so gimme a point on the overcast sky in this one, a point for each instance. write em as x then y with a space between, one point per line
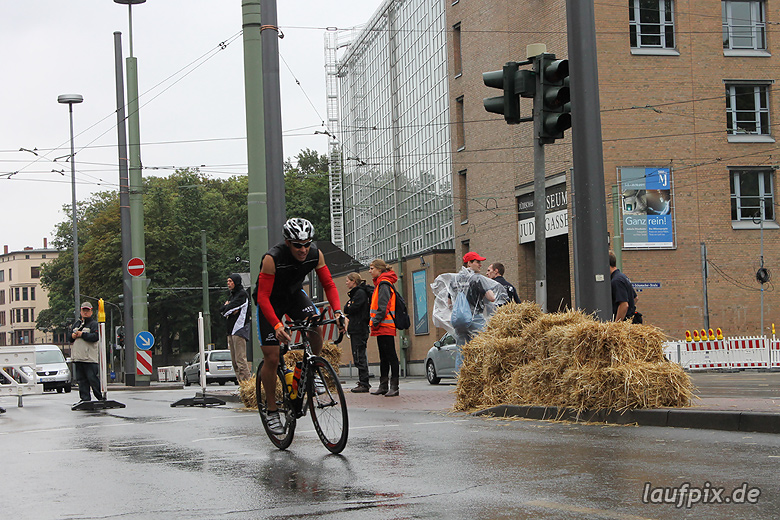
192 94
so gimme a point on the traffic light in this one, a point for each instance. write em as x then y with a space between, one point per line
516 84
555 97
120 336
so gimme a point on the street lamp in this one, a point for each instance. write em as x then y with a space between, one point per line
70 100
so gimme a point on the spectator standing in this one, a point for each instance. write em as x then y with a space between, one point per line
624 296
464 301
495 271
86 355
357 312
236 310
383 327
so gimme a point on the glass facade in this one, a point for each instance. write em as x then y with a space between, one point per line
393 157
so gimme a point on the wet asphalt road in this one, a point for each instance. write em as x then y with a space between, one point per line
402 462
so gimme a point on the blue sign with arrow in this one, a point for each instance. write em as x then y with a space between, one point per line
144 340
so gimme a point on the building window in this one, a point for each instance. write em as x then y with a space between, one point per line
465 247
747 109
10 275
463 197
35 272
457 61
25 293
460 126
2 339
16 294
26 315
743 25
2 297
32 293
748 187
2 276
2 318
651 24
18 316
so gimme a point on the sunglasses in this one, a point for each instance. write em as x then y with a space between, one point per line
298 245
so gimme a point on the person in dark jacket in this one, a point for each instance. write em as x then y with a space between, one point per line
356 310
236 310
85 354
381 311
495 271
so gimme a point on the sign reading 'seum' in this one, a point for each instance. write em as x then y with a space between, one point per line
556 214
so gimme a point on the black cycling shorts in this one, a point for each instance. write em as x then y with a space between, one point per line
297 307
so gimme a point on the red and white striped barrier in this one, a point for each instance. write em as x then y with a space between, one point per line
749 352
706 355
143 363
774 353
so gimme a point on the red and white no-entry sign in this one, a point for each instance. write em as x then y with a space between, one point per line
136 267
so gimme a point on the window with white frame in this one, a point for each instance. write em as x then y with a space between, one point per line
749 187
747 109
744 27
651 24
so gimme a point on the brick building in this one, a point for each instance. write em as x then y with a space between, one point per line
686 111
21 296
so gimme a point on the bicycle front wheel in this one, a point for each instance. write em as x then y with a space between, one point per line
327 405
284 405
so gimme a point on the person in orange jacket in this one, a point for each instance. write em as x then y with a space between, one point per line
383 327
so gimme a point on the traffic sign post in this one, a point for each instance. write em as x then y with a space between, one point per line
136 267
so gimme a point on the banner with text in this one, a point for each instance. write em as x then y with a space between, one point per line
646 205
556 215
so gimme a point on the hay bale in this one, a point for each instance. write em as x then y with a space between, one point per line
568 359
510 319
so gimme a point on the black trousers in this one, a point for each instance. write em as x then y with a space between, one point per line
388 358
87 376
359 344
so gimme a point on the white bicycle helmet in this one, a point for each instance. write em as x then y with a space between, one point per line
298 229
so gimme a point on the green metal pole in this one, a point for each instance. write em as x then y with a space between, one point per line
205 277
257 199
617 238
137 244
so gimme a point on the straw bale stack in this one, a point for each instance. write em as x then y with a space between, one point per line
568 359
330 351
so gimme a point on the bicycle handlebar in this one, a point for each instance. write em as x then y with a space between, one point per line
312 323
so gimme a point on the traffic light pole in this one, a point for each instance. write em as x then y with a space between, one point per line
540 208
591 270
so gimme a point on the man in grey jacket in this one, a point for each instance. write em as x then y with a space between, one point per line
85 354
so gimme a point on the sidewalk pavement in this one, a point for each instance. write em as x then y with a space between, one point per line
747 401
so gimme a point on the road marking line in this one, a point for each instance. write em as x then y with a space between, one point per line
587 510
137 446
220 438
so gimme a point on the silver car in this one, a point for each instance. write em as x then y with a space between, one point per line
51 368
219 368
440 361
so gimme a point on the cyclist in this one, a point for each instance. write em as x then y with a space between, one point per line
279 292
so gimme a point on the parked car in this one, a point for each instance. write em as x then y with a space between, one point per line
51 368
440 361
219 368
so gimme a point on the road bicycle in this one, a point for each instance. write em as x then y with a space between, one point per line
324 398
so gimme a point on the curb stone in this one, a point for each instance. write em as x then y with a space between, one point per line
759 422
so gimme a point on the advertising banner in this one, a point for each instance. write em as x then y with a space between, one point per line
420 302
647 208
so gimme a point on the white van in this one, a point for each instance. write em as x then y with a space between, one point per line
51 369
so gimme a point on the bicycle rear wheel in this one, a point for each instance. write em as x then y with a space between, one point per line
328 409
283 403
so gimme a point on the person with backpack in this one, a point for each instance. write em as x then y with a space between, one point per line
357 313
382 310
465 300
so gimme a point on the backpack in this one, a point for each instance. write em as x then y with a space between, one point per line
461 312
401 316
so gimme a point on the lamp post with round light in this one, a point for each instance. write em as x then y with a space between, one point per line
70 100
